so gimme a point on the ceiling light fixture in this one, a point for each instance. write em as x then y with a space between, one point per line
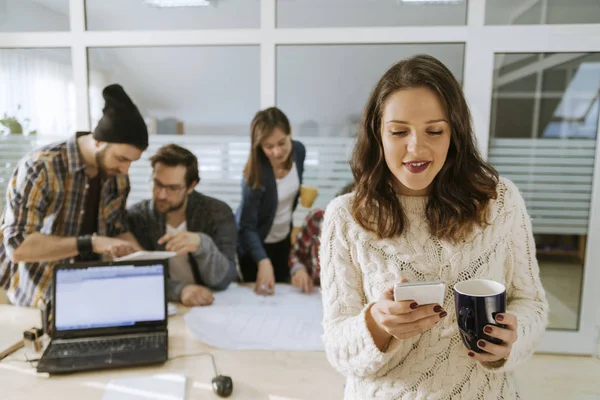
177 3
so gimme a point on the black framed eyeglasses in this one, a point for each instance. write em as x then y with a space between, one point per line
170 189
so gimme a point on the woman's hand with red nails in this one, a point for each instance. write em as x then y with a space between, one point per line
400 319
508 336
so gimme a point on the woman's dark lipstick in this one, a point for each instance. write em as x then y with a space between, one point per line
416 167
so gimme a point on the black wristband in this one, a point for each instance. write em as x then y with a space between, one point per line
84 245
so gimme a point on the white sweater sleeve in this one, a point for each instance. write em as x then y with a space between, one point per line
348 343
526 298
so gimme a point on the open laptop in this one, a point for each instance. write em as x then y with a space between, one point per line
107 315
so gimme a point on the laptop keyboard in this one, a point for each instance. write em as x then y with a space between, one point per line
85 348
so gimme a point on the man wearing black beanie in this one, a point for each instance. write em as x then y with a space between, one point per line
67 201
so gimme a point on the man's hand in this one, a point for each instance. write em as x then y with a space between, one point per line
302 280
196 295
181 242
128 236
112 246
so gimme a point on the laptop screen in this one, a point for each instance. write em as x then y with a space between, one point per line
109 296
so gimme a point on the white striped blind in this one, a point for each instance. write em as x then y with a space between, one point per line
221 160
554 175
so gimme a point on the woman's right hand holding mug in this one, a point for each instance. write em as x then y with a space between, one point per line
400 319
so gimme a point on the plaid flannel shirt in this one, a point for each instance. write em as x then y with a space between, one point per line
46 194
305 253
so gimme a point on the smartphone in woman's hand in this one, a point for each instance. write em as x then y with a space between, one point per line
430 292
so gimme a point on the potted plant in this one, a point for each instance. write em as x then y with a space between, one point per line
13 126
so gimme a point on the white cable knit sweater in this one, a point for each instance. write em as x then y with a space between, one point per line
356 267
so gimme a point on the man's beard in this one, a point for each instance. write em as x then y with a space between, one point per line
173 208
100 162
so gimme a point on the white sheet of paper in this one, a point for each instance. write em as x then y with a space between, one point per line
147 255
156 387
171 309
239 319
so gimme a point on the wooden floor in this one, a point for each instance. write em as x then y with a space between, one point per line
550 377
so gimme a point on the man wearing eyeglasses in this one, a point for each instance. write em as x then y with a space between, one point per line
199 228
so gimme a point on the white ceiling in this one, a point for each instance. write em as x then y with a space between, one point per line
134 14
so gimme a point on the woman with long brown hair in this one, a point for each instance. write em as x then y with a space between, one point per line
426 207
270 191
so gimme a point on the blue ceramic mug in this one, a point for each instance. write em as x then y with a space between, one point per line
477 302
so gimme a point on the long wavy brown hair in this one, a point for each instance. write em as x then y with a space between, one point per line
263 125
459 195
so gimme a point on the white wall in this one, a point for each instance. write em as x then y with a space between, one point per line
209 91
24 15
326 87
337 13
135 15
216 89
523 12
37 89
202 86
581 11
227 100
240 14
39 80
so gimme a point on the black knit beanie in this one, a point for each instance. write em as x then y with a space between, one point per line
121 121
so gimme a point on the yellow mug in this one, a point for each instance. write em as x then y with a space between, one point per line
308 194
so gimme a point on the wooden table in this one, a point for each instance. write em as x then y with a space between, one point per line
257 375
